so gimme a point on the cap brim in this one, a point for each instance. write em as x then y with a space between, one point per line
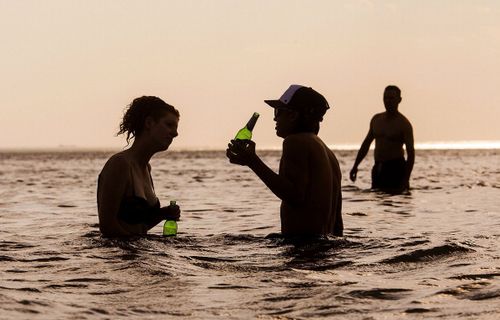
275 103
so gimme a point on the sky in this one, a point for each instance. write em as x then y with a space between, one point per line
69 68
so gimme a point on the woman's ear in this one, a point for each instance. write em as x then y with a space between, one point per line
149 122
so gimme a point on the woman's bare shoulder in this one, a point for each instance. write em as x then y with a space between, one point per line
116 163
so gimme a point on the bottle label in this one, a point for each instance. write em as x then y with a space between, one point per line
170 228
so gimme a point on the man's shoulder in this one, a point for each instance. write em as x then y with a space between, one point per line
306 143
301 143
378 117
383 116
403 121
403 117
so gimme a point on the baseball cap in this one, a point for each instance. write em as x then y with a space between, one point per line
303 99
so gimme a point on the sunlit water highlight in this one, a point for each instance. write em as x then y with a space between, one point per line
430 254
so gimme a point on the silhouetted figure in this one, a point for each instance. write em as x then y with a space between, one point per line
390 130
308 182
126 199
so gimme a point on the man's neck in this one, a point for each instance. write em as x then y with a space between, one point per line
391 114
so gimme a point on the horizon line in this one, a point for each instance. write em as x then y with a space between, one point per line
435 145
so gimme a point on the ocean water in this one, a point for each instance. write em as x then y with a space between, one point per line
431 254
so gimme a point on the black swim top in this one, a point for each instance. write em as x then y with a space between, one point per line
135 209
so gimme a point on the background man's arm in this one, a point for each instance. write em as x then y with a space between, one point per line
363 150
410 154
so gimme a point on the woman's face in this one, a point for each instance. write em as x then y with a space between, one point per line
164 130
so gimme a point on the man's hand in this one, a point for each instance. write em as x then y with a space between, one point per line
241 152
353 174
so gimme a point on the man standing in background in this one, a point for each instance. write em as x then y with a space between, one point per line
390 130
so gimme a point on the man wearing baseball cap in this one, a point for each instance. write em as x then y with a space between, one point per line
308 182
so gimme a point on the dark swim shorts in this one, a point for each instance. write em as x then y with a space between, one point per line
389 175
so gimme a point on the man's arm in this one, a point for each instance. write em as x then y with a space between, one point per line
290 184
363 150
410 154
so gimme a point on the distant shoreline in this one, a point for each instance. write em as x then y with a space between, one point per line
457 145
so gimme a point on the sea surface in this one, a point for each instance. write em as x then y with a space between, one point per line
430 254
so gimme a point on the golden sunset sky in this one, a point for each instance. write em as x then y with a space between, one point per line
69 68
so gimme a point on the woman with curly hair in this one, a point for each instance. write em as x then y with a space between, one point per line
126 199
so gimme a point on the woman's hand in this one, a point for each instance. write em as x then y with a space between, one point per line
172 212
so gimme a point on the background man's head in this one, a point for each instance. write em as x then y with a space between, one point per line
392 98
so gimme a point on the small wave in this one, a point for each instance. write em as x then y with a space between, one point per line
225 286
476 276
16 271
33 303
322 265
47 259
381 293
429 254
484 295
348 188
414 243
288 297
360 214
94 234
419 310
238 238
68 285
473 291
427 188
356 199
109 292
66 206
98 311
27 289
6 258
197 210
88 280
213 259
12 245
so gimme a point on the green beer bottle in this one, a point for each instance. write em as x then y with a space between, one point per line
170 226
245 133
